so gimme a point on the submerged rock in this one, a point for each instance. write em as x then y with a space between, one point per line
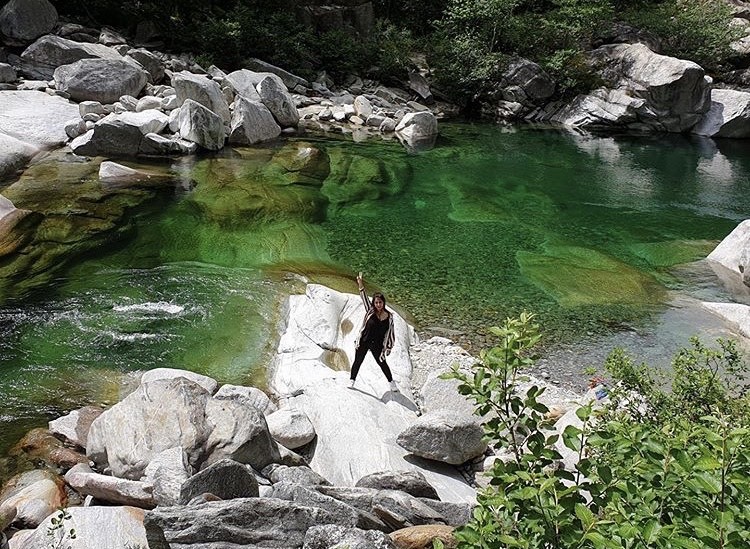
560 271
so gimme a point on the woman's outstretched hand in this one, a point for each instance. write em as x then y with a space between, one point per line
360 282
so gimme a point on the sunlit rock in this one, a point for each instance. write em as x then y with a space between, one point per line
200 125
147 121
201 90
418 125
252 122
316 344
290 428
733 252
97 526
444 435
735 313
109 488
728 116
278 101
243 81
167 472
643 91
128 435
34 495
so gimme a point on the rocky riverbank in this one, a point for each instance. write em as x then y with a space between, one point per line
184 462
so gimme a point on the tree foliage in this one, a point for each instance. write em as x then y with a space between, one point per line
655 466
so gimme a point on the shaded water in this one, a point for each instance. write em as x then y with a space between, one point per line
191 273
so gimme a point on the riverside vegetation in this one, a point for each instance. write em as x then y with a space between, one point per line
467 43
652 467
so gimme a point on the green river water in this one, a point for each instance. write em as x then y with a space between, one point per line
190 268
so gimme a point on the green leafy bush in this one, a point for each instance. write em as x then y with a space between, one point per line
698 30
655 467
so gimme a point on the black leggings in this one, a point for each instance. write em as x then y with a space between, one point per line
359 356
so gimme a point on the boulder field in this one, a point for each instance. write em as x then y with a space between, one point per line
184 461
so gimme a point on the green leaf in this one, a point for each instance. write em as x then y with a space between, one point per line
585 515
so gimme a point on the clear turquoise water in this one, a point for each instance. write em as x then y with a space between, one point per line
582 230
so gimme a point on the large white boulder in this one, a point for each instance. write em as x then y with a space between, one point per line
310 370
22 21
42 57
155 417
100 527
201 90
729 115
321 329
445 436
35 117
175 412
418 125
34 495
200 125
243 81
252 122
103 80
279 102
643 91
110 489
31 121
733 252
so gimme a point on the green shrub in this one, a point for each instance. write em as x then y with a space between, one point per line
698 30
654 470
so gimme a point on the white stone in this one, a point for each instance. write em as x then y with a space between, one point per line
148 102
95 527
201 126
279 102
201 90
252 122
208 383
733 252
728 116
418 125
108 488
89 107
290 428
315 351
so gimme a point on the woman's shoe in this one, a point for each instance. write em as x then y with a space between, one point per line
351 384
394 387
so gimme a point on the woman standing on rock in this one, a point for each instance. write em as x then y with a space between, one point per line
376 334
